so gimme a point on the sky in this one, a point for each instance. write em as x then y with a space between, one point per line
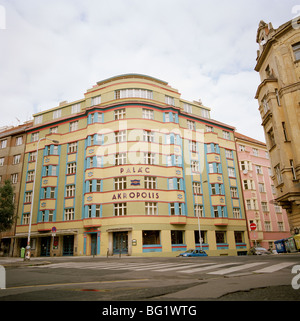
52 51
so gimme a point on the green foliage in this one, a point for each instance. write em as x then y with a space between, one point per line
6 206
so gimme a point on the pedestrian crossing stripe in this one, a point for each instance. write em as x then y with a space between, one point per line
184 268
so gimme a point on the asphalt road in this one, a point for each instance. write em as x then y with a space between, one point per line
156 280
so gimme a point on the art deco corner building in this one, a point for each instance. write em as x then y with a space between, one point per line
134 169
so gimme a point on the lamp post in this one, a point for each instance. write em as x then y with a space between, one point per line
28 248
199 227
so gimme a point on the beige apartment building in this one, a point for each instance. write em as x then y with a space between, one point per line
12 146
278 63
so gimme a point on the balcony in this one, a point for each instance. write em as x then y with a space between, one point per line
178 220
221 221
92 222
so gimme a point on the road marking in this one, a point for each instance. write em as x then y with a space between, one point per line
275 267
237 268
155 266
183 266
75 283
207 268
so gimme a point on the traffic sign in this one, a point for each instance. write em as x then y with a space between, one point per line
53 230
252 226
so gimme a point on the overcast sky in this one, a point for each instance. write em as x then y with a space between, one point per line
55 50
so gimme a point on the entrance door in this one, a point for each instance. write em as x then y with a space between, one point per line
45 246
94 244
68 245
120 242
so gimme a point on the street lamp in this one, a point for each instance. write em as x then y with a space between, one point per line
28 249
199 227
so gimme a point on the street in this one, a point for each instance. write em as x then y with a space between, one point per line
245 278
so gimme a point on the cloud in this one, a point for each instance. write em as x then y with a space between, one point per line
54 50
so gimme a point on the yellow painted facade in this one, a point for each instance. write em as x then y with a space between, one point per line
133 168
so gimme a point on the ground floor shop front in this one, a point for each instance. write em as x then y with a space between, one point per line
136 238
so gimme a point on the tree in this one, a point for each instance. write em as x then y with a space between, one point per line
7 206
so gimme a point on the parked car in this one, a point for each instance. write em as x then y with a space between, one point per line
193 253
259 251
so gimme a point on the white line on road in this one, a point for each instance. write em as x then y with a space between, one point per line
237 268
184 266
207 268
275 267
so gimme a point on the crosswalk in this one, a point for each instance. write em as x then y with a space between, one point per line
184 268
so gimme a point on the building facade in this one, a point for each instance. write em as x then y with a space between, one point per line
12 147
131 168
278 95
259 193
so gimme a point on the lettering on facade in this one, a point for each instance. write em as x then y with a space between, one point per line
135 195
134 170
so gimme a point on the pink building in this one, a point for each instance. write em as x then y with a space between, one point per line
259 193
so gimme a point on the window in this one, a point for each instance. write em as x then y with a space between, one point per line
280 226
120 209
28 197
96 100
16 159
57 113
231 172
296 50
120 136
226 134
228 153
169 100
220 237
261 187
255 151
98 210
265 105
26 217
239 237
277 97
151 237
233 192
150 208
248 205
120 159
195 166
30 176
177 237
150 182
70 190
14 178
73 126
172 208
193 146
284 132
69 214
38 119
1 161
19 140
120 114
71 168
32 157
264 206
149 158
209 129
197 188
216 212
34 137
242 148
148 113
198 210
89 211
271 137
258 169
50 216
191 125
205 113
75 108
148 136
53 130
72 147
293 169
278 174
133 93
236 212
187 108
246 165
268 226
120 183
